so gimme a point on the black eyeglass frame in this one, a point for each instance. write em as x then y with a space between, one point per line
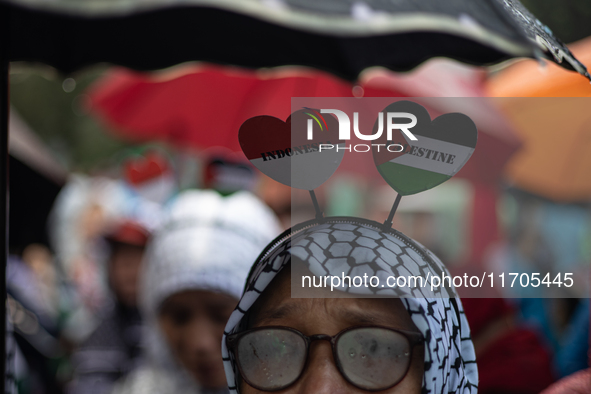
414 338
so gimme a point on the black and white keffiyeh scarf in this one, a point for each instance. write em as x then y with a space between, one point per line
355 246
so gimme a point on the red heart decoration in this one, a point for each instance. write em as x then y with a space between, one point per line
282 151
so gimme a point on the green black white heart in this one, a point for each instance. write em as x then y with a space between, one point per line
442 148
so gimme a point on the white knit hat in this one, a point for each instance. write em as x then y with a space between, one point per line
208 242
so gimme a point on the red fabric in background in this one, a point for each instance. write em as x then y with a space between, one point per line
515 362
482 311
201 106
205 105
484 221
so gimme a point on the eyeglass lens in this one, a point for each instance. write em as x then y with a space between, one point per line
370 358
373 358
271 359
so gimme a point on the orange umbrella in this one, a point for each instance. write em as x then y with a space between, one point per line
554 121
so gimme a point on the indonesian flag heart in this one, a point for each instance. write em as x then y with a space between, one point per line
289 152
442 148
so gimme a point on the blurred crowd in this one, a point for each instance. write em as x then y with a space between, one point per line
139 279
168 269
75 303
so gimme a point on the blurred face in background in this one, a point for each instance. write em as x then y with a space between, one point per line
124 268
193 324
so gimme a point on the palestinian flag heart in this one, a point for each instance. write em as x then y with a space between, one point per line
442 148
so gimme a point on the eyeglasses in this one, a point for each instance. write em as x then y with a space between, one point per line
371 358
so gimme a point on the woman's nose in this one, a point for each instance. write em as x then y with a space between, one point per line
322 375
201 337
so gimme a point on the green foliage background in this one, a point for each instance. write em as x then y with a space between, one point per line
60 118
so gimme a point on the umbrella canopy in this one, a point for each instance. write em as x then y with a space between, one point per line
527 78
341 37
555 128
201 106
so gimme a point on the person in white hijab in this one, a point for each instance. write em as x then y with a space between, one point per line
195 269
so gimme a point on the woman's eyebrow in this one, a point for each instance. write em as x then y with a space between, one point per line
279 312
355 317
363 317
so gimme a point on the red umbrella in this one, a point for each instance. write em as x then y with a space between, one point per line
201 106
204 105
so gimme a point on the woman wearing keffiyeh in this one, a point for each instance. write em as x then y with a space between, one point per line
416 341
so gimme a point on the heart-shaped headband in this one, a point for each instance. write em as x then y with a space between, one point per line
411 152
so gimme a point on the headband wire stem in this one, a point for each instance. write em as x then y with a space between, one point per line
319 214
388 222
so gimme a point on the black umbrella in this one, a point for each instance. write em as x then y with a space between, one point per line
340 36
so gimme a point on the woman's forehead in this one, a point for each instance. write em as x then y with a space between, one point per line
192 298
276 307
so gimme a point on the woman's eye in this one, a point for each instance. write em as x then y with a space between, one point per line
180 317
219 316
